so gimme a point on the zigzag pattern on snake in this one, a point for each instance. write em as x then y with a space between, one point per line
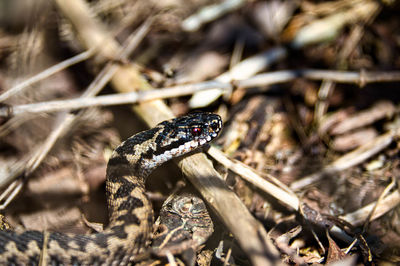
130 212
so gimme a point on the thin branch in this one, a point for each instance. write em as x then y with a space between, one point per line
47 73
115 99
361 78
183 90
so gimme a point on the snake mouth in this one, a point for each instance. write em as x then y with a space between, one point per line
208 138
191 145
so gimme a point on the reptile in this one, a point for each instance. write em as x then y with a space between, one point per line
130 211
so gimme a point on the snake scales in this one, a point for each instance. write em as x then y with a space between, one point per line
130 212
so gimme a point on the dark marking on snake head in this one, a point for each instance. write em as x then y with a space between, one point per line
161 150
128 146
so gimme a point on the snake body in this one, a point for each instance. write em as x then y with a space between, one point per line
130 212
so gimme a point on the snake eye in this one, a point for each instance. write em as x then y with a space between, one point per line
196 131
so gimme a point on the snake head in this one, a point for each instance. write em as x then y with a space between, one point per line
148 149
186 133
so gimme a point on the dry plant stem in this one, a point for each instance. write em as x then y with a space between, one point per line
47 73
15 169
362 78
249 232
43 252
116 99
226 204
182 90
348 160
322 104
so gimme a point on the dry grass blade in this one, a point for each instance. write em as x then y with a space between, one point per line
249 232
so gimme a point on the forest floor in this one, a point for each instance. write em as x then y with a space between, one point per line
308 92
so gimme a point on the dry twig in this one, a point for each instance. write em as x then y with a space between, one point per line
260 80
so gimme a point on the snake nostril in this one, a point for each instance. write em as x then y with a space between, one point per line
214 126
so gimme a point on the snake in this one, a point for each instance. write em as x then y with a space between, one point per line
130 211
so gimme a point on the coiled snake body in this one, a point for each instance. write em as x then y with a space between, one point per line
131 214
